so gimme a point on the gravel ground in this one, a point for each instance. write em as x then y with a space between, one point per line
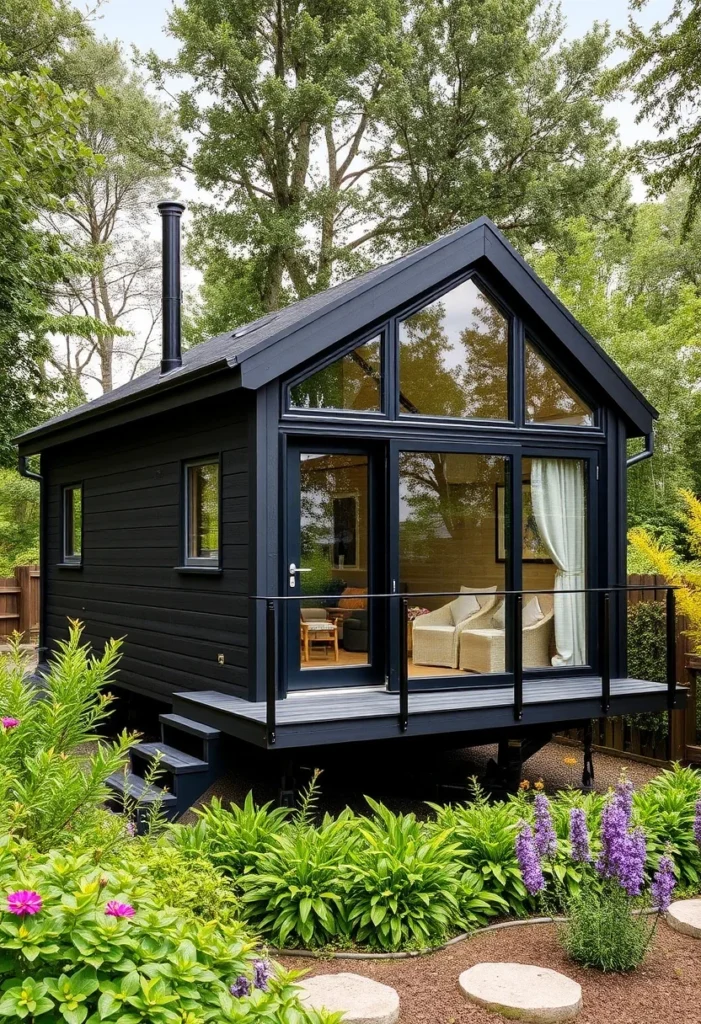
667 988
404 785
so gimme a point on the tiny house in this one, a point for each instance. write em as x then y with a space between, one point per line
394 509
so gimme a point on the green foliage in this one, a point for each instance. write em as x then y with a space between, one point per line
665 809
333 135
663 70
161 965
19 521
647 657
236 838
403 886
50 783
601 932
296 894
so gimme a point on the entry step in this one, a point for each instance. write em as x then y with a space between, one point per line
171 760
205 732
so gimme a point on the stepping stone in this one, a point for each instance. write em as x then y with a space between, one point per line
685 916
362 1000
522 992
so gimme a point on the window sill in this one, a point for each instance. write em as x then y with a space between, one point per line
203 570
69 565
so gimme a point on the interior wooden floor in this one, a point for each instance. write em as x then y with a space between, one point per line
323 657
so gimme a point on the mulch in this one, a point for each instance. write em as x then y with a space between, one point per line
667 988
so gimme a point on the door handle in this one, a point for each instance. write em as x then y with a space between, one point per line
294 569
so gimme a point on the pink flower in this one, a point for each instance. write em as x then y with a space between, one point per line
24 901
9 723
116 909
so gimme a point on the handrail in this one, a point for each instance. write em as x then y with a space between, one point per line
516 641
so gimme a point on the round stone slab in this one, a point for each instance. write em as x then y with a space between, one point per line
685 916
522 992
362 1000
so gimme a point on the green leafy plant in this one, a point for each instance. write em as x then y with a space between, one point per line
236 837
665 810
601 932
296 895
53 762
403 885
81 942
484 836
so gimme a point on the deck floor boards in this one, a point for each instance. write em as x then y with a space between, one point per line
330 706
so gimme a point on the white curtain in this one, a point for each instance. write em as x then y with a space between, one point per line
559 507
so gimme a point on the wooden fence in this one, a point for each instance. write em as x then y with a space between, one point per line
633 737
19 603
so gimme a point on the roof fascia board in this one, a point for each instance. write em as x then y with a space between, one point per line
218 379
358 310
569 331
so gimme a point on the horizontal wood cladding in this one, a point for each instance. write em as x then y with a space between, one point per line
176 625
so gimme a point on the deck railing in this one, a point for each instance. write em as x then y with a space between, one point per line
514 620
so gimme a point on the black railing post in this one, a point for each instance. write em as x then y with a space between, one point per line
605 650
270 671
671 649
517 651
403 665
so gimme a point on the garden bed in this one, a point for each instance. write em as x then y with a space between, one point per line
666 987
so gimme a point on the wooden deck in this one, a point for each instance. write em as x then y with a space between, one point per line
321 717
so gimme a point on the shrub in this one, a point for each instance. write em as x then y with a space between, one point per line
484 836
79 941
402 885
295 896
665 810
236 838
601 931
647 657
49 785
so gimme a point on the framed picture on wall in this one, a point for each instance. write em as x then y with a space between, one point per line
534 549
345 531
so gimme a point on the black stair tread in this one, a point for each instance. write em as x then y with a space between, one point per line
172 759
138 790
206 732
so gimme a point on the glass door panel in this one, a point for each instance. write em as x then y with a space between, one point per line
453 536
554 557
330 543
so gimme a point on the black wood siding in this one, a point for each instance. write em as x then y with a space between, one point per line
175 624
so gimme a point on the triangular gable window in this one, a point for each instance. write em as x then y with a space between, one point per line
549 399
351 383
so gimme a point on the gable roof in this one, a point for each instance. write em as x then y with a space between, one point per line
277 343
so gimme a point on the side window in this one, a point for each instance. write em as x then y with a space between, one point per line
73 524
202 513
351 383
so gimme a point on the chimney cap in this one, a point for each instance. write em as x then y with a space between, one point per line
170 206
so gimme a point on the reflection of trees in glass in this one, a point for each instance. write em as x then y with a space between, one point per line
352 382
321 479
445 496
548 397
453 358
204 510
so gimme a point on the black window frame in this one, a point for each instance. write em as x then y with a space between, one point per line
71 558
531 338
190 562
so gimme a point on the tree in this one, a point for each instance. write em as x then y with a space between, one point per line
664 72
136 141
639 295
19 521
39 156
330 135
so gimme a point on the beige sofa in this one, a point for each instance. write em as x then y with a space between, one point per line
436 636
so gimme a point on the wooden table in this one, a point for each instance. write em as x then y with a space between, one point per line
318 632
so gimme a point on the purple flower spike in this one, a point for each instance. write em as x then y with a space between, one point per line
631 874
624 798
528 861
262 973
579 836
614 839
241 987
24 902
9 723
545 838
697 824
663 884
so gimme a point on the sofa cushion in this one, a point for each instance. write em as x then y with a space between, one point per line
464 606
532 612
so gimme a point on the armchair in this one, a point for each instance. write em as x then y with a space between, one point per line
436 636
482 649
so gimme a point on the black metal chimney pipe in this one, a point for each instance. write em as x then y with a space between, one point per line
171 211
